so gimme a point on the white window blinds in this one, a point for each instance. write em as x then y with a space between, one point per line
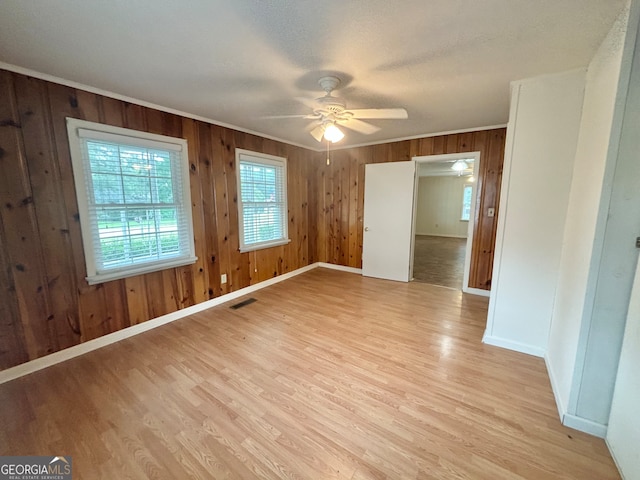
466 202
262 205
133 197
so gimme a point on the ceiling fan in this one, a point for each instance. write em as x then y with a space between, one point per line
329 112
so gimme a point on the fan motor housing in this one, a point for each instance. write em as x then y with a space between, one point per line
332 104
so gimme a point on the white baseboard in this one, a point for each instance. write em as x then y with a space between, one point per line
511 345
554 388
584 425
567 419
77 350
342 268
615 459
477 291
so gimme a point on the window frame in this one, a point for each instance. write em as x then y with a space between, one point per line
109 133
464 189
269 160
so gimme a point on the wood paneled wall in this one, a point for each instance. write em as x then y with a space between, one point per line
339 191
45 303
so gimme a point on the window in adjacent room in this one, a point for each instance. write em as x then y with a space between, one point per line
466 202
133 199
262 200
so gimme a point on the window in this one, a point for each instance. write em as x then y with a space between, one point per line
262 204
466 202
133 199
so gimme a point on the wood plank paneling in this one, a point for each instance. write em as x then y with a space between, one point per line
44 177
21 242
12 347
339 222
46 303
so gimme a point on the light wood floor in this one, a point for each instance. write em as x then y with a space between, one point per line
327 375
439 260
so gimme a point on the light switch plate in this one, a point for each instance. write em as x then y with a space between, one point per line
491 212
223 278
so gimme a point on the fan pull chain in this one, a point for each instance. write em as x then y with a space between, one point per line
328 159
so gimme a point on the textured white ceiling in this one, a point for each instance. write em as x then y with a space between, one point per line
448 62
442 168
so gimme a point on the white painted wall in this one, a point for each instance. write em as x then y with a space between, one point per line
541 144
600 97
613 268
623 435
439 206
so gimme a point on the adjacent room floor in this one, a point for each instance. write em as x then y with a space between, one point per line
327 375
439 260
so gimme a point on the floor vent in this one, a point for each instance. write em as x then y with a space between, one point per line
244 303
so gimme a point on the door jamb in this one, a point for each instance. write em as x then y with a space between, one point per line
472 220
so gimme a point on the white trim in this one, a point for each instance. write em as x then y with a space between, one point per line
342 268
503 205
511 345
280 164
70 83
554 388
477 291
111 134
79 131
416 137
537 78
444 157
441 235
615 460
597 249
120 273
568 419
477 158
143 103
584 425
464 190
77 350
259 246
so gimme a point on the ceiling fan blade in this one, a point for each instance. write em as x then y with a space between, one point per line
317 133
385 113
359 126
276 117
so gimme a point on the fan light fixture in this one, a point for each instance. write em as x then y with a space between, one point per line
333 133
459 166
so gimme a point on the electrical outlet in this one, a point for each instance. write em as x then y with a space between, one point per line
223 278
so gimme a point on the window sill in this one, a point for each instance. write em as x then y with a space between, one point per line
139 270
261 246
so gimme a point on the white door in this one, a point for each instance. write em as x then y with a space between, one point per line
623 432
388 220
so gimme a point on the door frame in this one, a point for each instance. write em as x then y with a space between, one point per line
472 219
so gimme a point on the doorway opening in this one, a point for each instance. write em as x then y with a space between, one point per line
443 224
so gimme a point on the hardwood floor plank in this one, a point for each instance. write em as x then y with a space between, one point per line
439 260
327 375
